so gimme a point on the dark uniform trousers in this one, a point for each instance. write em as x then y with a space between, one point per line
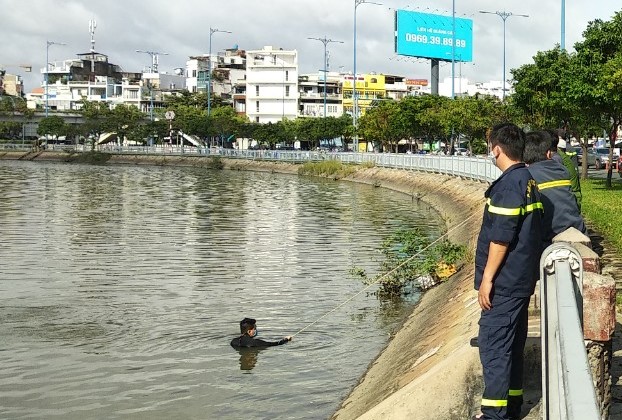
501 340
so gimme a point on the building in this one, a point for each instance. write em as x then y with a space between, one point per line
92 77
370 88
228 79
311 94
11 84
271 85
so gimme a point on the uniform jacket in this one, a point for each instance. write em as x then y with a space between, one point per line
512 215
560 206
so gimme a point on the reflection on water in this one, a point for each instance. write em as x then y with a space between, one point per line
121 287
248 357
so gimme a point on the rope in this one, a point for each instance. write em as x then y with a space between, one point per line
385 275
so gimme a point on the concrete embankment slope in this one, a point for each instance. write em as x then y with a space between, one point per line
429 369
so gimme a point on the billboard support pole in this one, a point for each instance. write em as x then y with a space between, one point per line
434 76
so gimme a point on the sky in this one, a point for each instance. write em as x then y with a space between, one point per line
181 28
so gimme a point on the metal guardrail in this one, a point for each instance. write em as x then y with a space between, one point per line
567 387
472 167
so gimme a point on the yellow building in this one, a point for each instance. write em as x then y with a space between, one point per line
369 87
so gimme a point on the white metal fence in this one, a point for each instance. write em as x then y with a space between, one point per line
472 167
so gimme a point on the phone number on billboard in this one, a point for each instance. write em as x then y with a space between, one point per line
435 40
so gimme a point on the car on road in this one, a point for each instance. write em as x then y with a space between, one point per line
599 157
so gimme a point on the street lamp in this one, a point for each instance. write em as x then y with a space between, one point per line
325 41
503 15
357 3
212 31
47 70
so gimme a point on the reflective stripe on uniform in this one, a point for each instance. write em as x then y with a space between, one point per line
515 392
553 184
515 211
494 403
534 206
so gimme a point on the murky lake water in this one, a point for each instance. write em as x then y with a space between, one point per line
121 287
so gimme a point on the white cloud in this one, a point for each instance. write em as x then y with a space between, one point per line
181 28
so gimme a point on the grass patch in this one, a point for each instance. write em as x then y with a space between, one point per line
328 168
603 208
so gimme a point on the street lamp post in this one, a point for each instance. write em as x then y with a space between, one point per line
503 15
47 70
325 41
212 31
562 43
357 3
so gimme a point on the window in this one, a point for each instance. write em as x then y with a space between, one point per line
256 119
194 73
194 89
287 75
256 90
373 80
286 90
257 106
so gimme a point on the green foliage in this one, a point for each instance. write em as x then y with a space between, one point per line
407 255
601 206
52 126
328 168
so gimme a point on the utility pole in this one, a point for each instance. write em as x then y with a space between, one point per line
325 41
212 31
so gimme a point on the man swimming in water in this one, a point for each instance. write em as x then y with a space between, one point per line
248 332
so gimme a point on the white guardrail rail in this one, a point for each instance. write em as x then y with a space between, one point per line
479 168
567 388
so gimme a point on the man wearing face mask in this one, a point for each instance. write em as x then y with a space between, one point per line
248 334
506 270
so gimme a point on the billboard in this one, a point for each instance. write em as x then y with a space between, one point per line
427 35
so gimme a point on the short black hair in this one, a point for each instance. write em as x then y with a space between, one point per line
247 324
510 138
555 135
537 144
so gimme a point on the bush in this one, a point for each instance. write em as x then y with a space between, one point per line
408 255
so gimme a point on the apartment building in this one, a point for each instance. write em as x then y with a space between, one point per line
311 92
92 77
369 89
271 84
228 76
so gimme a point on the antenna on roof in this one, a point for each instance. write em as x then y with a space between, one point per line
92 26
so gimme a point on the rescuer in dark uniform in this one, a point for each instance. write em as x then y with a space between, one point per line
561 210
248 332
506 270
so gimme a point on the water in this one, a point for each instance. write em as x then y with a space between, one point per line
121 287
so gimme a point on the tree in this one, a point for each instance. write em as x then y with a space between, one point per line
598 82
95 114
384 125
122 120
52 126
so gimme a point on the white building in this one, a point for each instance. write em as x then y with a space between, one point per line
92 77
311 90
271 85
464 87
228 80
